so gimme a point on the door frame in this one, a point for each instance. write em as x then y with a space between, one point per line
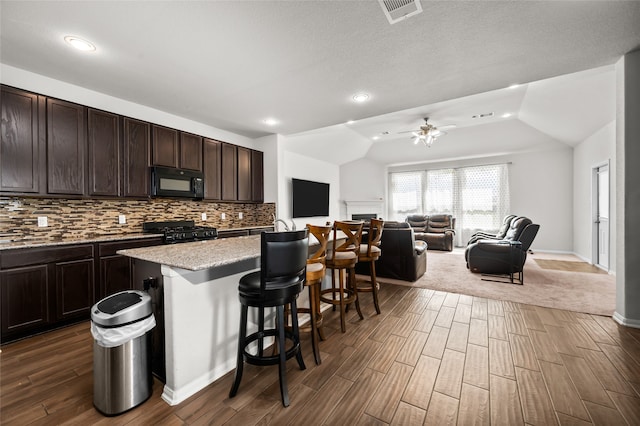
594 215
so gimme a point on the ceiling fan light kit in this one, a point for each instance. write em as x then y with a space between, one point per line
427 134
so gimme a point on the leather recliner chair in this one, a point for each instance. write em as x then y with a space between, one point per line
506 256
436 230
402 257
506 222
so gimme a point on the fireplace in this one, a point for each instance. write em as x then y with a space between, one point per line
364 216
364 210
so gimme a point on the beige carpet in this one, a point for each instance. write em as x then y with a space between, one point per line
573 291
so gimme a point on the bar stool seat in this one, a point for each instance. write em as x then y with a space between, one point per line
343 257
283 260
370 252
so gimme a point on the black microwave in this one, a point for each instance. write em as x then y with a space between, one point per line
170 182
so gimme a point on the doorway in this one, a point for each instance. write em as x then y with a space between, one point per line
601 216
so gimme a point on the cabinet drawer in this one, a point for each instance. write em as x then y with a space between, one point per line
35 256
110 249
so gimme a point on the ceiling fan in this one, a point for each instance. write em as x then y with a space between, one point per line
428 133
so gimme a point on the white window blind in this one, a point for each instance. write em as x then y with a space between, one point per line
478 197
406 194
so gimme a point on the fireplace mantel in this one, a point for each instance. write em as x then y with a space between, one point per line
365 207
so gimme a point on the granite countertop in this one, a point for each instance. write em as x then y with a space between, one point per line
200 255
9 244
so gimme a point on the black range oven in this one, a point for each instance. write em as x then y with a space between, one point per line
180 231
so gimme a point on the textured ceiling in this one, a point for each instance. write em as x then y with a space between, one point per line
232 64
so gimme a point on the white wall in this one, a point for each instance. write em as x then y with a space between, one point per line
298 166
37 83
596 150
361 180
541 185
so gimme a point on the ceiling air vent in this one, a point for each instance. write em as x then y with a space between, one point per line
397 10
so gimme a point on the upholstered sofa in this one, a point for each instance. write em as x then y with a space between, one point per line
436 230
402 257
503 256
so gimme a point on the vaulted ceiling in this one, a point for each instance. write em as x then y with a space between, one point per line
232 64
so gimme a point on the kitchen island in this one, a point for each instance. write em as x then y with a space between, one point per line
196 297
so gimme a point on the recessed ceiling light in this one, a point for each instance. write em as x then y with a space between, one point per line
375 138
270 121
506 115
361 97
80 44
513 86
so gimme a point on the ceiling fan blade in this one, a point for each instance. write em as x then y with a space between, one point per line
408 131
448 126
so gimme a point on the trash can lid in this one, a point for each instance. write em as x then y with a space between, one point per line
121 308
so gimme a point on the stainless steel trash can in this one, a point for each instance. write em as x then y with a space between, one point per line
121 326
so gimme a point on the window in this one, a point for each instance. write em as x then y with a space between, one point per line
478 197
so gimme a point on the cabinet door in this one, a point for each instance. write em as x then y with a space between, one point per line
190 151
137 140
229 172
66 141
24 300
74 288
244 174
104 153
212 169
165 146
19 146
115 275
257 176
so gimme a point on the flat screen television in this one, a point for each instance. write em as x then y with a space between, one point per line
310 198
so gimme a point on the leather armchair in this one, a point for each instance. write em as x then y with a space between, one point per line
402 257
506 256
436 230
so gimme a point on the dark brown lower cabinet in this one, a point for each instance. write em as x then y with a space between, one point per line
25 300
114 270
47 287
44 287
74 289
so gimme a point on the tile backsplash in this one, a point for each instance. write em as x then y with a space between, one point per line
73 219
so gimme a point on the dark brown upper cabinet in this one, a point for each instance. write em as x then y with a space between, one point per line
229 172
190 151
104 153
171 148
165 146
21 148
244 174
257 176
137 141
212 169
66 142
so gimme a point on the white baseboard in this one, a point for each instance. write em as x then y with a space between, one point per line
176 396
634 323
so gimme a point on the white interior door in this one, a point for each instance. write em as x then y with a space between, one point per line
602 217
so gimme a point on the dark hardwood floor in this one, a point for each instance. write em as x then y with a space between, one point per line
429 358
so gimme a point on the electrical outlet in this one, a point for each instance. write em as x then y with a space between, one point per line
203 216
223 216
240 215
43 222
122 219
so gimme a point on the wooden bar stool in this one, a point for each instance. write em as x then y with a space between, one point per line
315 273
283 261
343 257
370 252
